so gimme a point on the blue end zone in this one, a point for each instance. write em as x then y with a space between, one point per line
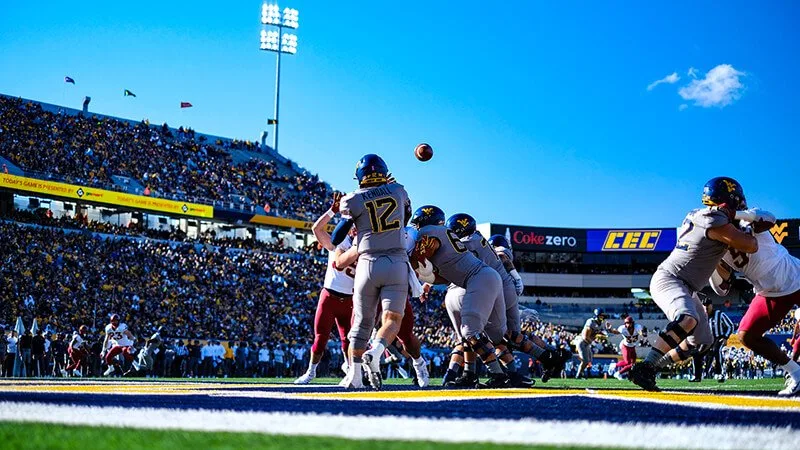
565 408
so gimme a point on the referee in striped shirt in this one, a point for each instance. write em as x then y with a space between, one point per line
721 328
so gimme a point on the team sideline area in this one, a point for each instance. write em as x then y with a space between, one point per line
236 413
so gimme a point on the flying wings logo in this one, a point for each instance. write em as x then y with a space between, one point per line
463 222
627 240
730 185
779 232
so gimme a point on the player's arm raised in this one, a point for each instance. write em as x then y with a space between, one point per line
344 258
318 229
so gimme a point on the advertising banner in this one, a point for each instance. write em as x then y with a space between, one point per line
542 238
97 195
626 240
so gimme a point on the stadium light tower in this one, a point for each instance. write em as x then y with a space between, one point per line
278 42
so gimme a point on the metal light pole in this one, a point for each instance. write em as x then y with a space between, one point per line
278 42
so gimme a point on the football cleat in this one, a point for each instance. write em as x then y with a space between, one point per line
305 378
64 373
77 373
792 387
469 380
344 366
515 380
497 381
720 378
110 371
643 374
423 378
694 380
451 375
372 368
618 376
352 380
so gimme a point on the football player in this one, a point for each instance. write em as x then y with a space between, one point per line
553 360
144 361
479 314
595 325
775 276
631 332
379 210
704 237
120 340
77 350
464 226
336 298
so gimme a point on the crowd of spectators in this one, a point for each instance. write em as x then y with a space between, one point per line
68 278
88 150
786 325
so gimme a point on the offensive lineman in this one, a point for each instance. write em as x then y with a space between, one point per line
479 315
379 211
464 226
336 299
121 340
775 276
703 239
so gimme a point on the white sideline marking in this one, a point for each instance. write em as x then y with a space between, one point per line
525 431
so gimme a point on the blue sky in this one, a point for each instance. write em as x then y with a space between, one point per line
539 113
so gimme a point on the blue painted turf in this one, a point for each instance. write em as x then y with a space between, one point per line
567 408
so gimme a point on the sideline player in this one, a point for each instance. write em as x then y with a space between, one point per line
704 237
479 314
775 276
336 298
631 332
594 326
379 210
121 340
144 360
795 341
77 352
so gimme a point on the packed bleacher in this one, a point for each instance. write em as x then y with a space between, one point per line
169 163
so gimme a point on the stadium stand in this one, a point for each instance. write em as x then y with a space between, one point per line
104 152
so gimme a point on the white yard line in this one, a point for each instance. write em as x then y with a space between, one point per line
526 431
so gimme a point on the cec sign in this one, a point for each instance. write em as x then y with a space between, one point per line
653 240
539 238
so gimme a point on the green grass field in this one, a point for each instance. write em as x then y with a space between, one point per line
23 436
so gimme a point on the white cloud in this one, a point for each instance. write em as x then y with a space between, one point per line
692 72
669 79
720 87
682 107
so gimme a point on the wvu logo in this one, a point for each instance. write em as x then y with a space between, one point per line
779 232
636 240
463 222
730 185
427 211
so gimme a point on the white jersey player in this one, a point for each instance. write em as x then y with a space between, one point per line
118 340
775 276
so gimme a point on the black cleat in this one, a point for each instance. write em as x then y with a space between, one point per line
694 380
515 380
643 374
469 380
450 375
497 381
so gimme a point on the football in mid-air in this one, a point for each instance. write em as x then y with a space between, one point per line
423 152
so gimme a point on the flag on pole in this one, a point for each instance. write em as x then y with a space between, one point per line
186 105
129 93
19 327
69 80
35 327
272 121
